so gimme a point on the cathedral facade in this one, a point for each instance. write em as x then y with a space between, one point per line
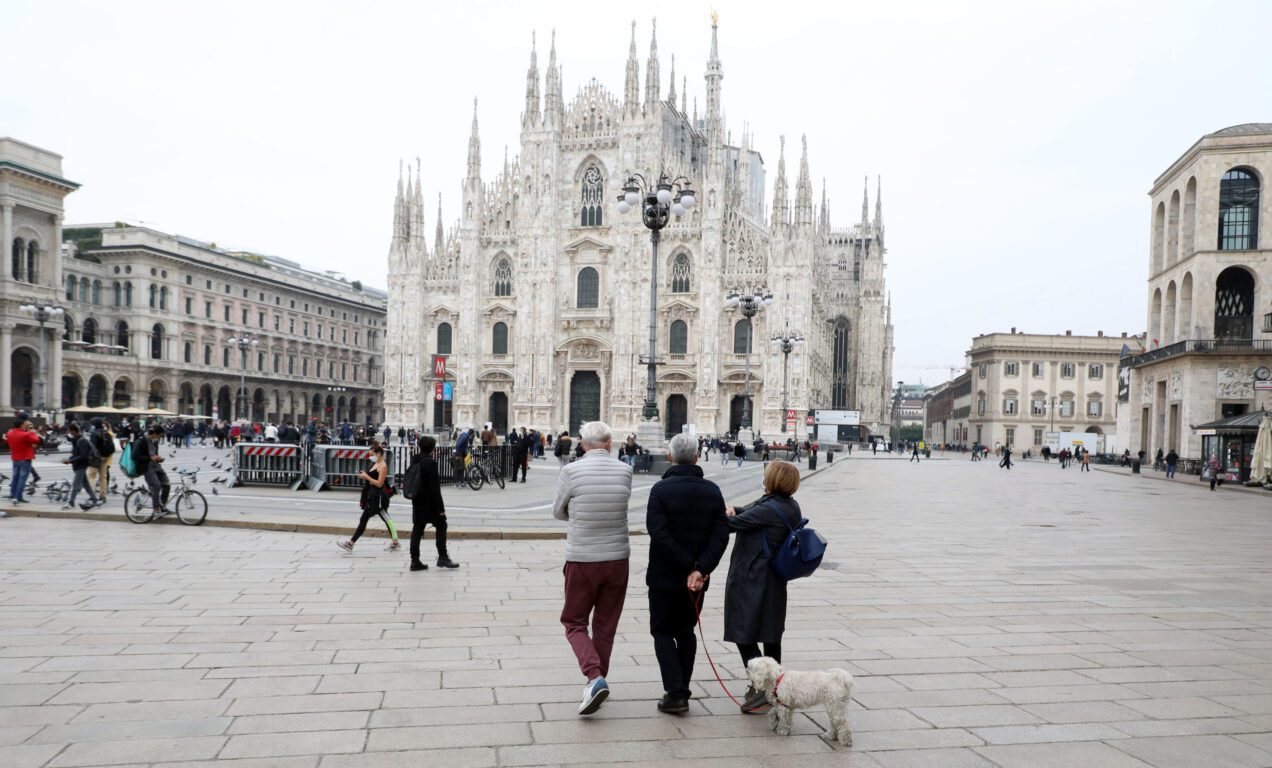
539 297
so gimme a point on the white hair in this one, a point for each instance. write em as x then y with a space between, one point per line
683 448
596 434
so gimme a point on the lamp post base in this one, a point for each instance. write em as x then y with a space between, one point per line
649 434
747 436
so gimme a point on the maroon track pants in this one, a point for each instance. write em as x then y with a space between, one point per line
595 591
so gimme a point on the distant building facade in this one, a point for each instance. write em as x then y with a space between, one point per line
539 296
1024 384
1209 295
947 410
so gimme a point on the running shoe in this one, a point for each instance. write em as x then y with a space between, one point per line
345 545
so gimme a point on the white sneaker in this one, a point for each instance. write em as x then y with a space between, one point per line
345 545
594 695
394 545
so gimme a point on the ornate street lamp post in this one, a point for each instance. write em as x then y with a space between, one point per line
896 428
786 340
750 302
657 202
42 312
244 343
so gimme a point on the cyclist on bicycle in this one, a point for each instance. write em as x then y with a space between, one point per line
146 455
462 445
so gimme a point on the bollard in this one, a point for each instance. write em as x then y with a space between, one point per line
1135 466
812 460
830 457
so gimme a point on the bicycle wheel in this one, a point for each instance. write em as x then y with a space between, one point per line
192 508
474 477
137 505
496 473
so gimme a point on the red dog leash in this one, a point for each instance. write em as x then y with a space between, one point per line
695 596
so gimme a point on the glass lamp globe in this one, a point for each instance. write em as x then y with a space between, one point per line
664 196
687 201
623 207
678 209
632 198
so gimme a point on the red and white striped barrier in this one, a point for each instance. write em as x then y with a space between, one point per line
271 450
268 463
349 453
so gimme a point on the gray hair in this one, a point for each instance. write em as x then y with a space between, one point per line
683 448
595 434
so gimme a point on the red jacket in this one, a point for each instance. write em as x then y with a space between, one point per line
22 444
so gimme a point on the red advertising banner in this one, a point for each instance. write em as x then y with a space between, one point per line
439 368
437 391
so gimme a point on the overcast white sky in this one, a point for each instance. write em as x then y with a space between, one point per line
1016 141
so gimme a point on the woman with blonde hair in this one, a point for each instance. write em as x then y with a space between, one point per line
754 595
375 500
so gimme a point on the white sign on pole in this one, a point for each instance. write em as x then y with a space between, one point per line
827 433
846 418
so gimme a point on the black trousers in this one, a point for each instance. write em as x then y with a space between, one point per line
421 518
518 463
752 651
672 619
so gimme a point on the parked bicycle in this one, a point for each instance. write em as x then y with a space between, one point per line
484 469
190 506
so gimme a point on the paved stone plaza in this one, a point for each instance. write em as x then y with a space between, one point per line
1022 619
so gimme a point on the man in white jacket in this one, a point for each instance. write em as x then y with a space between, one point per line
592 495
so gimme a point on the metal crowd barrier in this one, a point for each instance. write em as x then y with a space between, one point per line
337 466
334 465
267 463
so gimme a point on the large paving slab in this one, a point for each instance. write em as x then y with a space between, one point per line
1034 617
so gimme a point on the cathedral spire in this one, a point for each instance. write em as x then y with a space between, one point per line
553 106
713 77
531 116
474 148
399 208
439 242
653 82
671 95
878 219
684 95
825 209
781 206
804 190
631 89
865 204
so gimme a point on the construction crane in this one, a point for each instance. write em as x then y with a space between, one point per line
954 370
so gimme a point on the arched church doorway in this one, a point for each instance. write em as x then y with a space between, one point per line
585 399
677 414
498 412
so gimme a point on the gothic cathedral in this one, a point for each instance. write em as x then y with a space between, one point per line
539 296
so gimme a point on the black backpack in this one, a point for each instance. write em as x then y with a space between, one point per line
101 440
411 481
94 455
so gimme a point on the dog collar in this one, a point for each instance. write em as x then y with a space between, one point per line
775 696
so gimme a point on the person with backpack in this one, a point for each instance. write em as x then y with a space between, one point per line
83 455
374 501
754 594
562 450
423 486
145 455
104 442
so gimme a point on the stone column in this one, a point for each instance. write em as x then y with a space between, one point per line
6 252
54 382
6 357
54 271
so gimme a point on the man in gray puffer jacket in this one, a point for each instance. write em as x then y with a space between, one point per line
592 495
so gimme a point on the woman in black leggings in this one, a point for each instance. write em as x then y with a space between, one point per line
375 501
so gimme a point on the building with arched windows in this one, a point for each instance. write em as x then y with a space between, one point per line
1209 341
539 294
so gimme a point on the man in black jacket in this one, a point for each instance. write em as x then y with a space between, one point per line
520 454
145 455
688 533
427 507
82 454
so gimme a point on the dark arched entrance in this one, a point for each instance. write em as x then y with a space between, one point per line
96 391
1234 304
70 392
22 378
585 399
498 412
677 414
223 403
841 374
735 413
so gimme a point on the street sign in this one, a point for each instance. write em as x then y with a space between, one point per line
847 418
790 414
1267 384
447 390
439 366
437 391
808 422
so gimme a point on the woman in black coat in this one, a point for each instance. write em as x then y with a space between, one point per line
754 596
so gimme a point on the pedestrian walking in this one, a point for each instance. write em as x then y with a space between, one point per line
688 533
521 455
427 508
22 440
104 442
83 455
1172 461
1212 470
754 595
1086 462
592 496
1006 460
915 455
374 501
562 449
739 452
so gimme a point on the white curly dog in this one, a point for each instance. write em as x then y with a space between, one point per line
790 690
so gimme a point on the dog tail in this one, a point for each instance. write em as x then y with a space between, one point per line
843 677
